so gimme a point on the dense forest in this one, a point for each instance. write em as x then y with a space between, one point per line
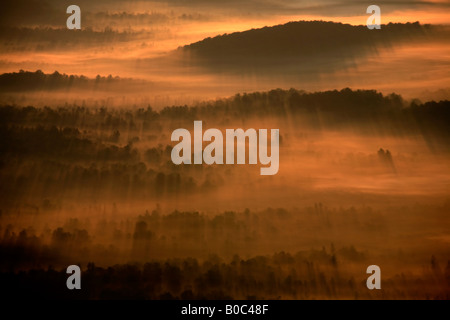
104 151
187 255
281 276
361 182
342 106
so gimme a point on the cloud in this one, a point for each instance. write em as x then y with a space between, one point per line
319 7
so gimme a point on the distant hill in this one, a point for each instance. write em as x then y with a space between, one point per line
38 80
308 44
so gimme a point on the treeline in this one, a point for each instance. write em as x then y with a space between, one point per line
31 81
68 143
102 133
178 234
50 38
304 275
335 107
120 236
97 179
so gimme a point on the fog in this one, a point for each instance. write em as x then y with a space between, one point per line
86 175
86 184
